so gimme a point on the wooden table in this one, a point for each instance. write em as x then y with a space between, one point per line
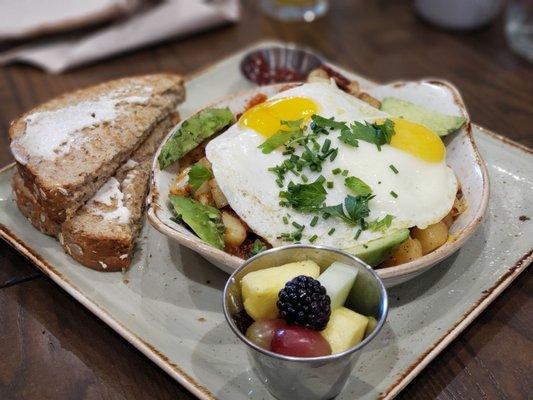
51 347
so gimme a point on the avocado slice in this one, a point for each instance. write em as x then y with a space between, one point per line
192 132
378 250
440 123
205 221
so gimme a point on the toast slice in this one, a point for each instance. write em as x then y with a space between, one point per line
102 233
67 148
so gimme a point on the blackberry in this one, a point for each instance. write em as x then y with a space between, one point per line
303 301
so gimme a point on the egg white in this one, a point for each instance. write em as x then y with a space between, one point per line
426 191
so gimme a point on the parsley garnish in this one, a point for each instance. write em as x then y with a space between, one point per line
378 134
257 247
357 186
381 224
321 124
198 174
354 210
291 130
305 197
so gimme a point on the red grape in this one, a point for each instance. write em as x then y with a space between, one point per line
298 341
262 331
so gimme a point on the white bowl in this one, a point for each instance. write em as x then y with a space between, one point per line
462 156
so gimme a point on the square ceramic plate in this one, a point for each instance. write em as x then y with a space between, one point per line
462 156
168 304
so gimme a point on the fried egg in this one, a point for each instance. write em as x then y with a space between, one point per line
409 177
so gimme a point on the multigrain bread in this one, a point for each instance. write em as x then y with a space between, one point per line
67 148
102 233
31 209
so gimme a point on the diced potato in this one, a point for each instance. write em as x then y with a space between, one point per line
353 88
235 231
260 288
202 189
318 75
370 100
448 220
345 329
218 196
206 199
180 186
432 237
408 251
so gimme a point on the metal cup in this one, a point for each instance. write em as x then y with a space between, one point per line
310 378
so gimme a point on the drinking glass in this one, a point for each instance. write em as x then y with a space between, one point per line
519 27
295 10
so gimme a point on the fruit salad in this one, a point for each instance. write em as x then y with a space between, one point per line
299 311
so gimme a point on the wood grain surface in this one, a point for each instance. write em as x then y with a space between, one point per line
52 348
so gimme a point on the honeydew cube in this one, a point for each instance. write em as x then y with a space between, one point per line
338 280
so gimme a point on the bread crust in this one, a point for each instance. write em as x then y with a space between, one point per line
30 208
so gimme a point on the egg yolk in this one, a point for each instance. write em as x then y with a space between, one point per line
417 140
266 118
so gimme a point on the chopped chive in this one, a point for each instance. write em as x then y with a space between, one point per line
333 154
393 194
285 220
314 221
325 215
313 238
345 172
357 234
331 231
304 178
393 168
326 145
379 182
329 185
365 246
297 225
336 171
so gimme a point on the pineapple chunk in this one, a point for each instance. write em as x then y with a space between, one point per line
260 288
372 323
345 329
